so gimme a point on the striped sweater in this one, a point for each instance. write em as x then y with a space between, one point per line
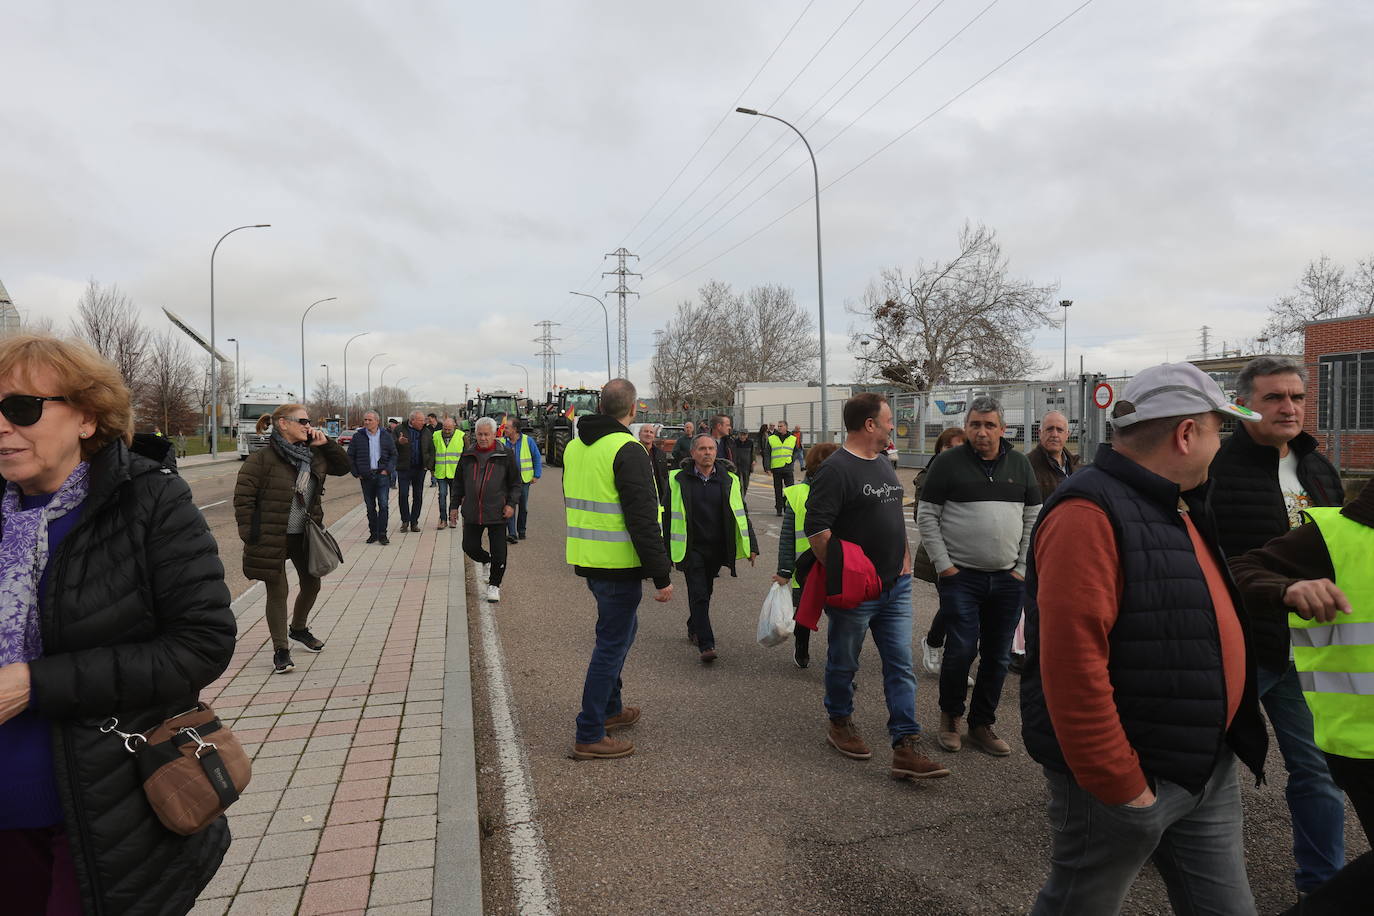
971 518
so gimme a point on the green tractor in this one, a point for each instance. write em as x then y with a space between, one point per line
557 421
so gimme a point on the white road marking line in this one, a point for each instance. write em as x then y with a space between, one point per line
212 505
530 873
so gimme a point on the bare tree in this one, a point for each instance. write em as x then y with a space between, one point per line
326 399
951 320
108 321
1323 291
167 396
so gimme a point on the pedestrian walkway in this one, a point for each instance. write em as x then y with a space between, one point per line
363 797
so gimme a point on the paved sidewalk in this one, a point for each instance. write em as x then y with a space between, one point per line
343 811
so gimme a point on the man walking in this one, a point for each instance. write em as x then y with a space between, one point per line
782 449
614 542
448 449
531 466
432 426
707 527
372 455
744 458
1263 477
722 432
978 505
414 456
488 487
682 448
1139 693
856 498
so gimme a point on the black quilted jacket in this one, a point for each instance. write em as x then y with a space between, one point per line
136 621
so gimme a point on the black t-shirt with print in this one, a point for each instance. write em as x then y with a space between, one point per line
860 500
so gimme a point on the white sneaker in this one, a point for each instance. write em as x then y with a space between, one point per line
493 593
486 571
931 656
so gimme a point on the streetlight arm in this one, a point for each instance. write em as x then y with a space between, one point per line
606 315
214 375
307 312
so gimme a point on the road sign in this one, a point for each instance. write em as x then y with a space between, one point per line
1102 395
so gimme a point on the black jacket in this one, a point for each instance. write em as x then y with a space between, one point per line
1165 648
727 516
425 437
135 622
1047 477
1249 509
486 487
639 500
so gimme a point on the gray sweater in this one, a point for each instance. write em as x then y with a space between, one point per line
971 518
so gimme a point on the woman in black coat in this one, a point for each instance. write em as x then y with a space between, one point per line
112 604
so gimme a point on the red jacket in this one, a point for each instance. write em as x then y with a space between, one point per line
844 585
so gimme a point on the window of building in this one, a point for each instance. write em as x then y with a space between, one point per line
1346 387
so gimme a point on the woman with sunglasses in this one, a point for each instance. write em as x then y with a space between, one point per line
277 489
112 604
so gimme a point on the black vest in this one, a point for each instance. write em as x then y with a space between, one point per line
1164 650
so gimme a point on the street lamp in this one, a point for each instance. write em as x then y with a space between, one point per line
606 316
369 374
325 367
307 312
1065 303
382 382
348 406
214 367
820 277
527 373
238 373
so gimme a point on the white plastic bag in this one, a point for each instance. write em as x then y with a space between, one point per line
775 617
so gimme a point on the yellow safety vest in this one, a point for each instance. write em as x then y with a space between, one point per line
1335 660
796 498
526 456
677 519
446 456
597 535
780 451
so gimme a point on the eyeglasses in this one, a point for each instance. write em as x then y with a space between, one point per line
303 421
25 409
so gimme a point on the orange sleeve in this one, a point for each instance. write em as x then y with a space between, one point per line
1228 621
1079 590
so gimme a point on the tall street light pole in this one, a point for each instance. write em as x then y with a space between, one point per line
325 367
214 361
382 382
348 406
1065 303
238 372
307 312
527 376
369 374
820 276
607 317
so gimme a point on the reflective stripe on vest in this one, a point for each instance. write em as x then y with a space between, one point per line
1335 661
677 518
446 456
780 451
796 498
597 536
526 459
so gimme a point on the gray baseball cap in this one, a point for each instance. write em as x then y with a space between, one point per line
1175 390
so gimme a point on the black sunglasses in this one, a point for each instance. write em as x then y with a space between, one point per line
303 421
25 409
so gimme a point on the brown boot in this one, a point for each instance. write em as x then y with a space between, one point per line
627 716
949 732
443 524
844 737
909 763
607 748
986 740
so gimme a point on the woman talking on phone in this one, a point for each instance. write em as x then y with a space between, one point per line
278 488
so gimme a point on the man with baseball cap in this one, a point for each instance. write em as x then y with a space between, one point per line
1139 694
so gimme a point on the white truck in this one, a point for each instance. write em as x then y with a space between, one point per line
255 403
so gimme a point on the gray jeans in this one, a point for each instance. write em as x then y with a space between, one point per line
1195 841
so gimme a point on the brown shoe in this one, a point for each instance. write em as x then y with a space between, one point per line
708 656
844 737
607 748
628 715
909 763
442 524
986 740
948 735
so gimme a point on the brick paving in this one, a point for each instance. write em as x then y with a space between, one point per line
341 815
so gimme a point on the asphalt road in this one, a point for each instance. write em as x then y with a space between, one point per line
733 801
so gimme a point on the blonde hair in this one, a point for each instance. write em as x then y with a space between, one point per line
268 420
90 383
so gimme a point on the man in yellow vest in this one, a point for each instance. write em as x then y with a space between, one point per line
707 527
614 541
1320 576
531 465
781 451
448 448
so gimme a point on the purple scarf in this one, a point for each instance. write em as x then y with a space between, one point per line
23 557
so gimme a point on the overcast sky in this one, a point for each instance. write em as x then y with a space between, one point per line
450 171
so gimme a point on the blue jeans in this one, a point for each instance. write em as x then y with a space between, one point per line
516 526
616 622
1315 804
980 610
410 489
888 618
446 485
377 497
1096 850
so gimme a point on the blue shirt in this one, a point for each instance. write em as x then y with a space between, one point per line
374 446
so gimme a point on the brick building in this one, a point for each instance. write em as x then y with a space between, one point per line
1339 353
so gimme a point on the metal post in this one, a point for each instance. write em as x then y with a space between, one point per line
307 312
214 373
1065 303
606 316
369 374
348 405
238 373
325 366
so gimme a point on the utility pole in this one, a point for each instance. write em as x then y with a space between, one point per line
1206 341
621 290
546 352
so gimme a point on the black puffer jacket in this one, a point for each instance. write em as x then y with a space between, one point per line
136 621
1247 503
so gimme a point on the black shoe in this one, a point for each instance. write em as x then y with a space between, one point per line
281 661
511 539
372 538
800 656
384 541
1018 663
306 638
522 535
